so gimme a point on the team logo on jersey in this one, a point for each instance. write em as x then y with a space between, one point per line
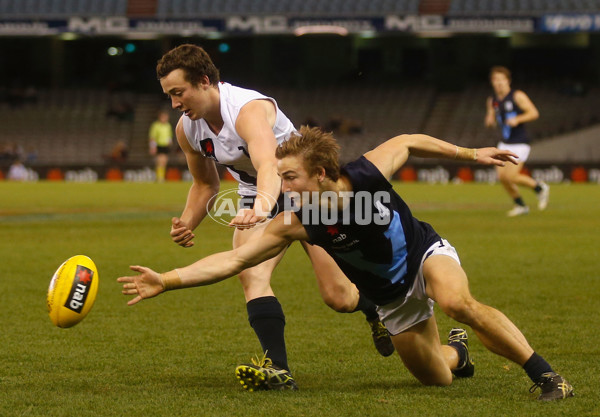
208 148
333 230
508 106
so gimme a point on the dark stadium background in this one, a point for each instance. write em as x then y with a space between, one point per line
380 68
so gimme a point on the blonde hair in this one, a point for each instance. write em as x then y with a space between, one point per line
317 148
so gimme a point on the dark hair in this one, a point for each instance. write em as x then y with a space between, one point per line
318 149
193 60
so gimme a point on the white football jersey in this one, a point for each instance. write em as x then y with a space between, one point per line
228 148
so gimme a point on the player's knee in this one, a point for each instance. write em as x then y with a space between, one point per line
461 309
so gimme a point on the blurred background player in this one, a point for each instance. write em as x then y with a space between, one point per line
18 171
240 129
160 138
510 109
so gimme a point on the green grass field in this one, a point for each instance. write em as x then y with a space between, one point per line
175 355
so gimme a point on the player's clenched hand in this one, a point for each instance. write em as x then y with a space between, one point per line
181 234
146 285
495 156
246 218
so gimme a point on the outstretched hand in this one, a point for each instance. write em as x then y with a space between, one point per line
146 285
495 156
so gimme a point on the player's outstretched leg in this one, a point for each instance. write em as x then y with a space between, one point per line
447 284
261 374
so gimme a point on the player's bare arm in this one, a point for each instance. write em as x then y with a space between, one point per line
214 268
204 186
392 154
530 112
490 114
255 125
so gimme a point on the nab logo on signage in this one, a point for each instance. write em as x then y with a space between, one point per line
80 289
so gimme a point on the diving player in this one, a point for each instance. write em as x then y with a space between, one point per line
399 262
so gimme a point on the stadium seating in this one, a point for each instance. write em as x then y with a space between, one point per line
314 8
61 9
72 127
520 7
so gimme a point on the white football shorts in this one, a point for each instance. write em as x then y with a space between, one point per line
415 306
521 149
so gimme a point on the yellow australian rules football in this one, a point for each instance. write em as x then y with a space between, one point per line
72 291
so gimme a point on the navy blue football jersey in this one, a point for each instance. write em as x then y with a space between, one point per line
376 241
508 108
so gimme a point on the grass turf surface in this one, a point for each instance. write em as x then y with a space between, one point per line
175 355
